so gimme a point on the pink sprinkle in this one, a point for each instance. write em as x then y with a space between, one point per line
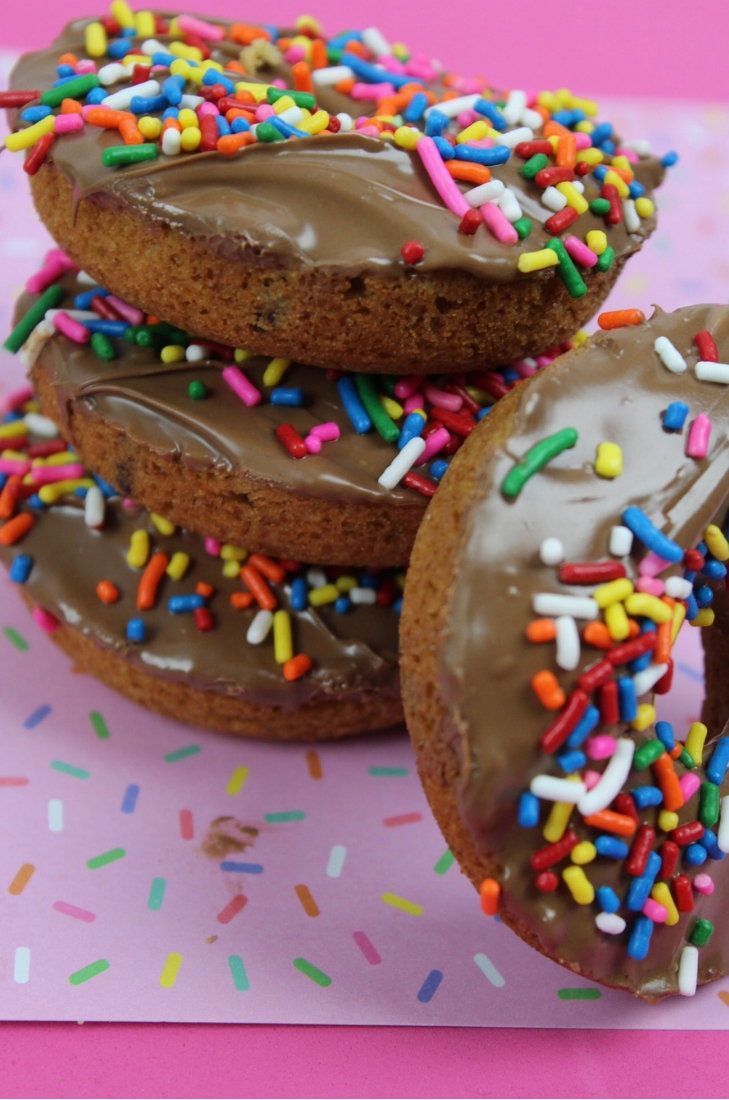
47 622
207 109
469 86
366 947
369 131
651 565
264 111
481 143
466 118
206 31
698 437
128 503
372 91
15 466
689 784
591 778
545 360
704 883
74 330
360 121
621 151
391 64
402 819
279 83
74 911
312 444
651 585
233 907
326 432
47 475
407 385
15 399
212 547
240 385
579 251
187 825
434 443
53 269
294 54
130 313
443 181
601 747
68 124
60 255
524 368
655 911
440 399
85 65
414 401
583 141
500 228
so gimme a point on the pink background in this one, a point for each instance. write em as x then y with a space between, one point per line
656 48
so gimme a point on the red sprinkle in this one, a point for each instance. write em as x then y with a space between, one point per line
469 402
291 440
420 484
553 853
609 711
548 177
387 593
595 677
453 422
412 252
209 134
688 833
582 168
706 344
684 896
470 222
102 307
547 882
669 858
625 805
561 220
636 647
490 381
591 573
693 560
333 125
17 99
560 729
526 149
664 684
640 849
42 450
615 213
203 618
37 155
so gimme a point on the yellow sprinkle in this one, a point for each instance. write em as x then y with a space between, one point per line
663 896
716 542
705 617
95 39
174 30
645 717
679 614
60 459
574 199
187 118
236 781
30 407
695 742
17 456
548 101
190 139
181 49
283 649
149 127
240 355
402 903
15 428
400 51
589 156
178 566
583 853
315 124
579 885
258 91
275 370
537 261
283 104
139 549
231 569
641 603
587 105
210 64
49 494
144 24
170 969
623 164
609 461
668 821
477 131
554 142
24 139
136 59
407 137
617 622
617 181
229 552
328 593
345 584
123 14
582 337
585 127
171 353
481 396
644 208
597 241
612 592
307 22
391 407
179 67
559 816
163 525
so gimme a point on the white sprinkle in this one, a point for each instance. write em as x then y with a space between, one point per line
195 353
678 588
84 279
515 105
292 115
621 541
485 192
553 199
121 100
553 789
551 551
611 781
632 218
192 102
315 577
362 595
553 604
642 147
336 856
94 508
531 118
375 40
487 968
509 206
644 681
512 137
76 314
151 46
688 971
171 142
452 107
35 343
722 836
114 73
712 372
21 967
610 923
568 643
403 462
41 425
346 122
260 626
325 78
669 355
578 186
55 815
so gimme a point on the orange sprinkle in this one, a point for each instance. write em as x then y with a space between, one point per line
8 498
625 175
245 33
676 751
302 77
15 528
130 132
71 107
668 782
107 118
170 124
541 630
542 111
633 628
618 318
231 143
244 96
297 667
490 892
235 66
240 600
597 634
253 579
547 690
149 581
307 902
68 59
239 112
270 568
449 95
152 320
344 87
107 592
472 173
356 47
555 129
313 763
662 651
202 588
319 54
566 150
612 822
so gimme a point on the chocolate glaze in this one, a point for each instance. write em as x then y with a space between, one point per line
345 203
354 653
615 389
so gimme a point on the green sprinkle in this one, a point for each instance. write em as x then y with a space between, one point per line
708 804
539 455
156 894
105 857
647 754
702 932
100 727
80 976
312 972
604 262
148 337
69 769
130 333
73 89
286 815
523 226
180 754
387 771
266 132
569 274
49 299
16 639
384 424
388 383
579 994
600 207
238 973
102 345
197 391
535 164
687 759
301 99
119 155
445 862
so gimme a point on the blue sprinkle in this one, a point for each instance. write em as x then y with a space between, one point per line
611 847
646 796
172 90
444 148
12 416
601 133
704 595
664 733
109 328
69 74
416 107
599 172
714 570
177 605
585 726
711 845
287 395
36 502
212 76
20 569
638 522
35 114
492 113
371 74
3 480
298 598
669 159
436 123
170 112
241 868
635 189
692 608
106 489
369 580
397 606
716 768
412 426
475 155
342 605
96 96
608 147
528 815
83 301
286 129
340 40
353 407
144 105
689 576
430 985
81 492
642 885
438 468
694 855
118 48
135 630
627 699
607 899
571 761
640 938
129 800
702 549
239 125
36 717
223 125
161 57
510 375
482 412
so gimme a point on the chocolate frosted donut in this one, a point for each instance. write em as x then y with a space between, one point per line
360 247
589 511
187 631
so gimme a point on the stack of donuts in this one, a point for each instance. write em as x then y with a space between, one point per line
300 280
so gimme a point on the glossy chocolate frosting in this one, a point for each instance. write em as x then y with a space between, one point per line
614 389
352 653
342 203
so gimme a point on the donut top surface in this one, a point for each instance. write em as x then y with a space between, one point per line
150 400
92 578
396 145
628 481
